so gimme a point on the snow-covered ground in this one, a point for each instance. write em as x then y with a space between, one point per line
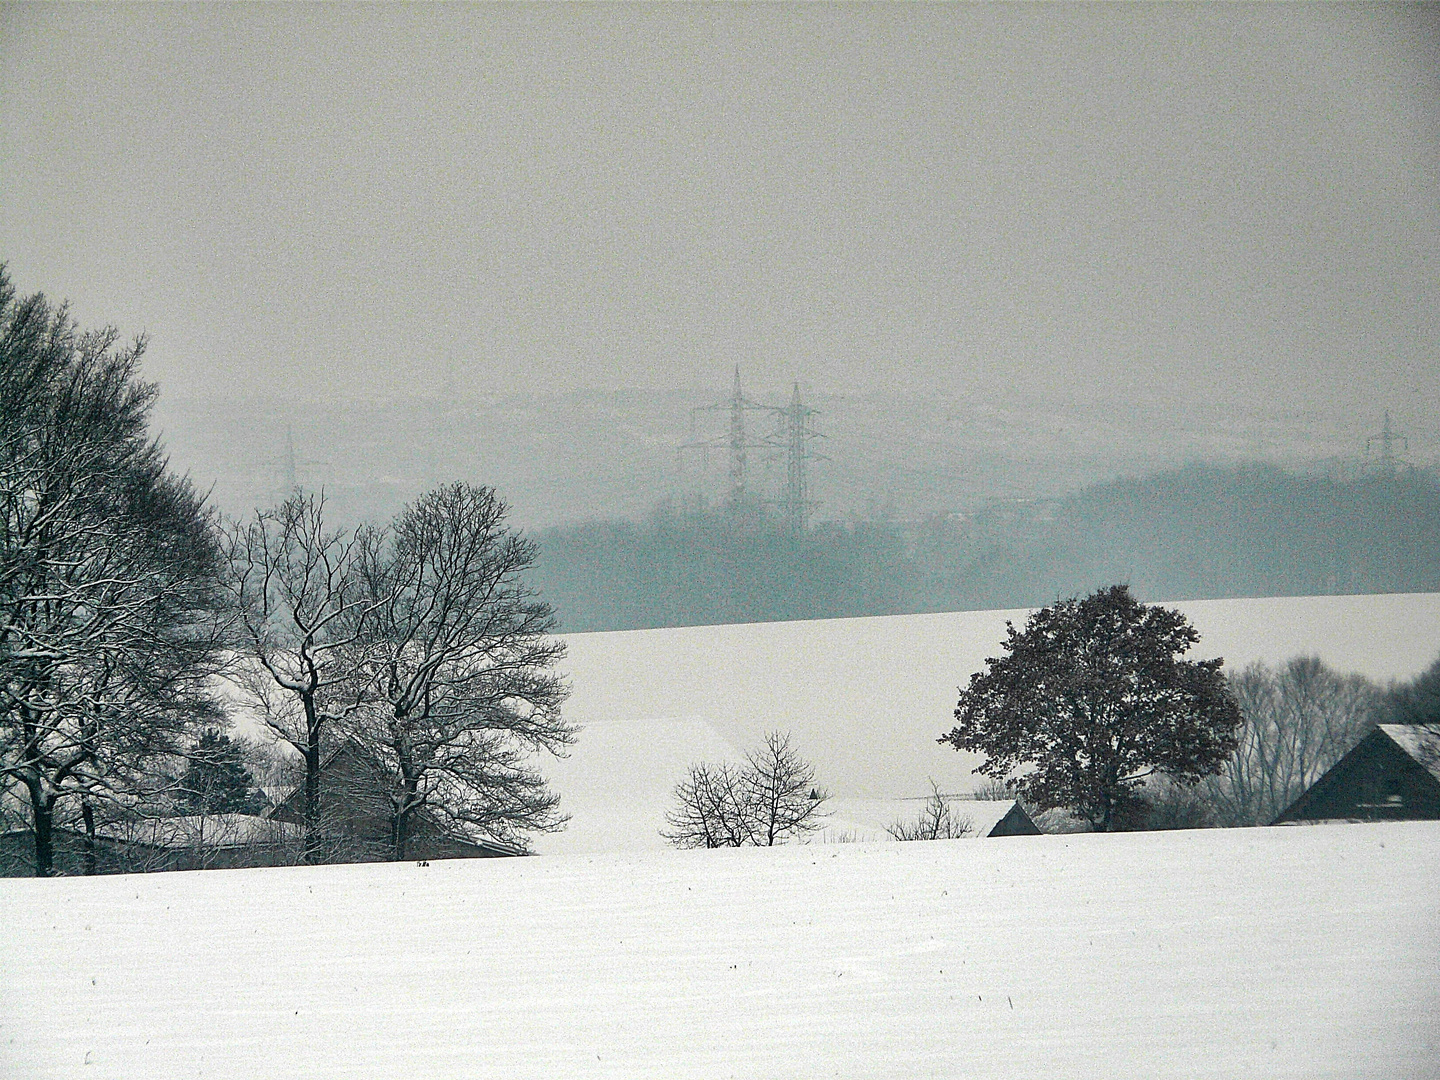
1284 952
867 698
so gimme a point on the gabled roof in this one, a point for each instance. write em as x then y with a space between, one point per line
1420 741
288 810
289 800
1415 744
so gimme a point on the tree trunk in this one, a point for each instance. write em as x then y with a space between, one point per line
399 833
312 782
401 830
40 809
88 812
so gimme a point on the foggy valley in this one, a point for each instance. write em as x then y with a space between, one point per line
610 455
913 504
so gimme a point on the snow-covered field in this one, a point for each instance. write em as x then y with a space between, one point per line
1288 952
867 698
1283 952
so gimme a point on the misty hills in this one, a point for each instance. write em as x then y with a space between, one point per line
568 457
1198 532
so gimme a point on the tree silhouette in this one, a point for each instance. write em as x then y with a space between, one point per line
1091 699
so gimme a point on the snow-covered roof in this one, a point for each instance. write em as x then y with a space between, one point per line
201 830
1420 741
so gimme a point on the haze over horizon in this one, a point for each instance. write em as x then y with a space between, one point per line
1122 223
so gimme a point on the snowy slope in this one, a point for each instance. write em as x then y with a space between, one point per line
866 698
617 784
1287 952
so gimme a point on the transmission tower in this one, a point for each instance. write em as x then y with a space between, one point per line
1387 440
736 441
287 471
796 436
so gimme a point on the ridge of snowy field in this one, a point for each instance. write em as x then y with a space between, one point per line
1285 952
851 820
867 698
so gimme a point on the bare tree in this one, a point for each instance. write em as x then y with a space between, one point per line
1414 702
1299 719
108 604
771 799
294 585
458 655
992 791
709 810
780 792
937 821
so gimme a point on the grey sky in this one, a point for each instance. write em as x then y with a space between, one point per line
1226 203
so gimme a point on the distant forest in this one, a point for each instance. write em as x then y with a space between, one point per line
1200 532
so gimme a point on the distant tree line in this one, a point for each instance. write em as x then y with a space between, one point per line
1194 533
126 605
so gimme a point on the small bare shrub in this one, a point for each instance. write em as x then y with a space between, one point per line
937 821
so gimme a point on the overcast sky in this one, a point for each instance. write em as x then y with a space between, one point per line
1226 203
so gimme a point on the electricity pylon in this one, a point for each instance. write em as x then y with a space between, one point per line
292 481
796 436
793 438
1387 440
736 441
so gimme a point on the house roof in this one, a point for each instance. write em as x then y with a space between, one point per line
288 809
289 800
1420 741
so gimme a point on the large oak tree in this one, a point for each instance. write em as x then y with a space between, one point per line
1092 698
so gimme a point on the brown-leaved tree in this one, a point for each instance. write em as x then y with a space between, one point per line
1092 698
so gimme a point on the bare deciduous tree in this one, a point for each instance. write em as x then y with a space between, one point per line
293 583
770 799
937 821
1414 702
708 812
457 658
780 792
1299 719
108 605
992 791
